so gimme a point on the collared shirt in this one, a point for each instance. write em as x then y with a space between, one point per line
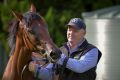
86 62
77 47
44 73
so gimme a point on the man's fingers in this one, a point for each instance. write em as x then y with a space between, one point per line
32 66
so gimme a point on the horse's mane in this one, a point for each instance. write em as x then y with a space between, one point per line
14 24
12 34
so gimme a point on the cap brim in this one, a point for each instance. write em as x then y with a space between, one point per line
73 25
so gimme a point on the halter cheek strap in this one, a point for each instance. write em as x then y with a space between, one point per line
24 69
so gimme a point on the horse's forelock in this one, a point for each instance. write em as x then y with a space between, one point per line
14 24
29 16
13 27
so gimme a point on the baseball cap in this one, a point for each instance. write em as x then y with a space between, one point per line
77 23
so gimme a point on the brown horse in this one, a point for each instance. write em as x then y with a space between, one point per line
28 33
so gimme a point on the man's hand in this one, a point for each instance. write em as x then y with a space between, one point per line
55 55
32 66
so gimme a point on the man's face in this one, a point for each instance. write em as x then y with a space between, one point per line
75 35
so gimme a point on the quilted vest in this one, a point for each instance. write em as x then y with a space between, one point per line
66 74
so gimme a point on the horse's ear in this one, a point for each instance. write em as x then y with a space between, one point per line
17 15
32 8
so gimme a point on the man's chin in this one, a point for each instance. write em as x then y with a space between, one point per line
70 41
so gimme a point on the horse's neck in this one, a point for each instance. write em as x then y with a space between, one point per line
19 58
11 72
15 57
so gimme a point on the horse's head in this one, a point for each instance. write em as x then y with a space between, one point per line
32 29
28 33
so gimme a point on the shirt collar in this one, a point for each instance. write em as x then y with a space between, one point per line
76 48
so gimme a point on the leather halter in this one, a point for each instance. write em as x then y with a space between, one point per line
34 48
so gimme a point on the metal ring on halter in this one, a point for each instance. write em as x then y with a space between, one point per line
34 59
24 68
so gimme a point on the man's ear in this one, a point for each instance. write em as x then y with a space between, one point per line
83 31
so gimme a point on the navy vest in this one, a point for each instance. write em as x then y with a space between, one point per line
66 74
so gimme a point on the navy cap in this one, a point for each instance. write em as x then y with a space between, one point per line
77 23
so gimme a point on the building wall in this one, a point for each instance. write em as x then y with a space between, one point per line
105 34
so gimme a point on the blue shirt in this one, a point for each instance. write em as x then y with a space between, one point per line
44 73
86 62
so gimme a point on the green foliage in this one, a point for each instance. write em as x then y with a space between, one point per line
56 12
53 21
6 16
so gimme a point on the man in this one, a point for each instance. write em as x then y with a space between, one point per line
79 59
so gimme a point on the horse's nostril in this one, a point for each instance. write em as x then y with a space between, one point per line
42 51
